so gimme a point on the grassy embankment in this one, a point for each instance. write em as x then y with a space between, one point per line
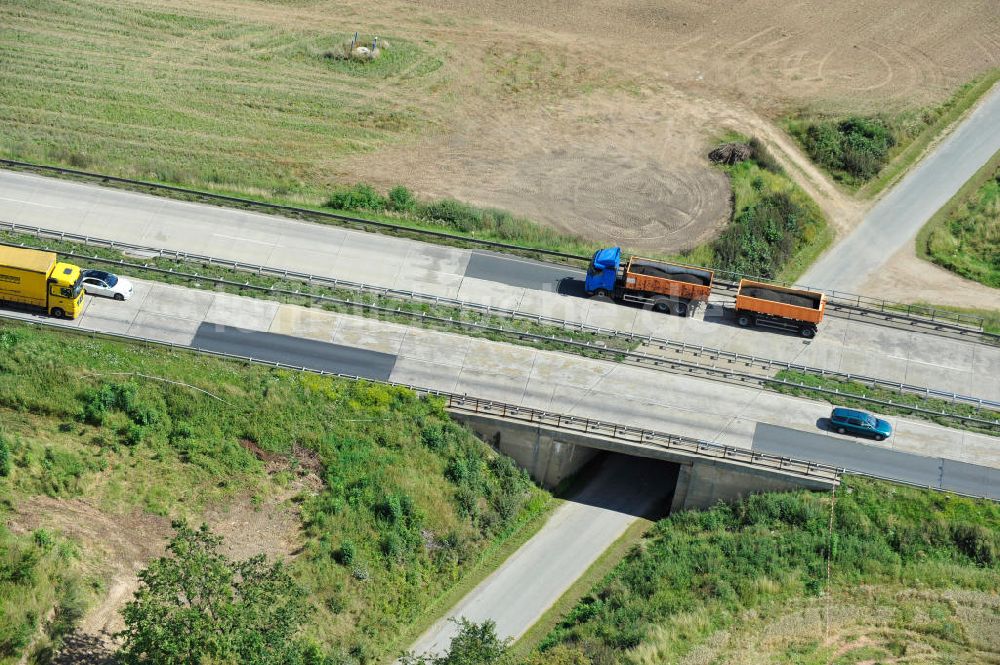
964 235
450 319
396 504
868 153
903 575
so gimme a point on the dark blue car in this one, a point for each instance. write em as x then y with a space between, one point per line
851 421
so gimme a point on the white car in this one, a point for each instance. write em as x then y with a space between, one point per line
100 283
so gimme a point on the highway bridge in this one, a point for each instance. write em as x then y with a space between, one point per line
637 399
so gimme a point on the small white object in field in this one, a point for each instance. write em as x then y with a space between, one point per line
362 51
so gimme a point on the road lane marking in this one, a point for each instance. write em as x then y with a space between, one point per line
42 205
258 242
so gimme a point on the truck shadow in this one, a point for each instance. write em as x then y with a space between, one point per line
726 316
823 424
571 286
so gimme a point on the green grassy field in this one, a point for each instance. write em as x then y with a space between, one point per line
964 236
396 504
192 97
868 153
882 574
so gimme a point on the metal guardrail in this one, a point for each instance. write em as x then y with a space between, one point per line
873 310
456 402
680 347
960 321
644 437
493 408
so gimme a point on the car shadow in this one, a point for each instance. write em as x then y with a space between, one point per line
824 424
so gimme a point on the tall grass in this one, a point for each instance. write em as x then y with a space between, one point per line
457 217
967 240
39 591
699 575
396 500
776 230
867 153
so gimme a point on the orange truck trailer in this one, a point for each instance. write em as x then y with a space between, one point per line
666 287
763 304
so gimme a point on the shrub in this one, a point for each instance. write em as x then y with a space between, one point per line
854 149
358 197
4 457
346 553
453 213
401 199
196 605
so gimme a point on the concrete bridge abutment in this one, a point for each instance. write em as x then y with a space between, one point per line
551 455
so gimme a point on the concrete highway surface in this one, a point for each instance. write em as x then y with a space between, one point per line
899 215
527 286
561 383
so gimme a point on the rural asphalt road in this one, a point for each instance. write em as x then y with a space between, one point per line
899 215
540 571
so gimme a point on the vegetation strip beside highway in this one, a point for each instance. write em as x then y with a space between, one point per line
606 346
868 153
964 235
857 394
380 500
873 574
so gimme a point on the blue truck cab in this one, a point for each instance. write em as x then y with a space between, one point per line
603 271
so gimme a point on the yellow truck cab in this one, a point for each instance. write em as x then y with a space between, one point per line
36 278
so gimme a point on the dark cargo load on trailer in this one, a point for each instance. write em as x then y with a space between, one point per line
760 303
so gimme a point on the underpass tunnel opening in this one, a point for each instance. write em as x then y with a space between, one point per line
637 486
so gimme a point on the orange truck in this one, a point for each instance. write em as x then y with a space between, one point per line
665 287
763 304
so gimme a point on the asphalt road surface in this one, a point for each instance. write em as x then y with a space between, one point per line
876 459
896 219
312 354
536 575
513 271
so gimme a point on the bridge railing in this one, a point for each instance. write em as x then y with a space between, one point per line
455 401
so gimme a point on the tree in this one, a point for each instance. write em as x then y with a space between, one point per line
197 606
475 644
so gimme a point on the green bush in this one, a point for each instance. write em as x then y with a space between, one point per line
854 149
762 236
358 197
4 457
401 199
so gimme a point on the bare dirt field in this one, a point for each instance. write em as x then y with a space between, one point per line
593 117
629 165
907 278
